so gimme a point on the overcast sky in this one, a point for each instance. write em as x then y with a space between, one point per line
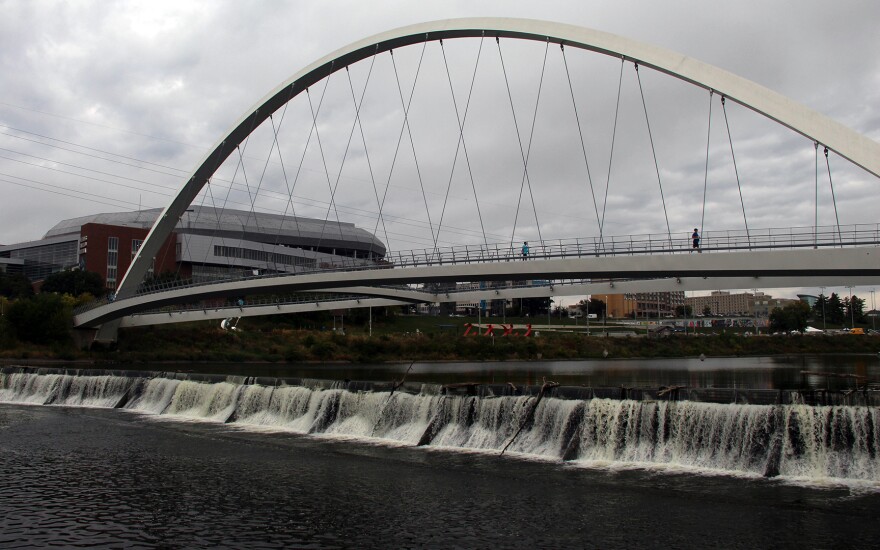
105 106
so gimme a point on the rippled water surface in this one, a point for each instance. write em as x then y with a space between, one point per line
782 372
108 478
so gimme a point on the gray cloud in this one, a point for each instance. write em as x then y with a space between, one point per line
137 92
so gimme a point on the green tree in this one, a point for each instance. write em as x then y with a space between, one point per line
684 311
854 310
820 308
834 312
74 283
707 310
594 306
15 285
43 319
791 317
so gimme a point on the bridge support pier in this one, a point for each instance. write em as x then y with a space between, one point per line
107 333
83 337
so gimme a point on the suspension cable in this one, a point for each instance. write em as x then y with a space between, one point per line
706 173
210 192
313 129
252 198
461 119
331 204
405 104
366 153
833 199
260 185
580 133
288 205
344 158
239 166
735 171
289 202
523 154
611 154
333 188
654 153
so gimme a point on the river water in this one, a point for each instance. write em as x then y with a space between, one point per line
782 372
237 464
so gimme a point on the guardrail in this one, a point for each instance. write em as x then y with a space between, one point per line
725 241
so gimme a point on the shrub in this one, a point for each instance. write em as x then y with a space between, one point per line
42 319
323 350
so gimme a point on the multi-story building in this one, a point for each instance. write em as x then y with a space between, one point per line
641 305
751 304
207 244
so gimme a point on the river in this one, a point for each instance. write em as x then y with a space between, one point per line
235 463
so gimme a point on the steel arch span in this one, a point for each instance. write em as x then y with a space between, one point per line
855 147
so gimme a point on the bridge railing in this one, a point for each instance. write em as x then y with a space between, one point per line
724 241
711 241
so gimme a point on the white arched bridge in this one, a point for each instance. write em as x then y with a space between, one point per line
457 142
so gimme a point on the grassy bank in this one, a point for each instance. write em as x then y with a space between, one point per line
425 339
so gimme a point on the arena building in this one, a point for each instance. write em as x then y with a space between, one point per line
208 244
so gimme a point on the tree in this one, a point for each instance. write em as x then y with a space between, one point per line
43 319
854 310
684 311
791 317
834 311
594 306
74 283
15 286
820 308
707 310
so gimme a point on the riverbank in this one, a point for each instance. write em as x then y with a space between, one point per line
204 343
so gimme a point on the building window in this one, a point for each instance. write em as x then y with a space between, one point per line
112 261
262 256
135 246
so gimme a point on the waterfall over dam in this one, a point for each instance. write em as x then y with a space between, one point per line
784 435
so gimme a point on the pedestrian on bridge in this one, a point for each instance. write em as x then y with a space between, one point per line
696 239
525 250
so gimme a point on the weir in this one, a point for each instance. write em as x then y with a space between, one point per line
816 435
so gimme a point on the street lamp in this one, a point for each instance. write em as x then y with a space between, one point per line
851 308
755 308
873 312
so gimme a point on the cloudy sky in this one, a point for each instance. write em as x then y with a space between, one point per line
105 106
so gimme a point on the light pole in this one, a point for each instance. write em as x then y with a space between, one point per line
874 312
822 296
851 314
755 308
588 316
